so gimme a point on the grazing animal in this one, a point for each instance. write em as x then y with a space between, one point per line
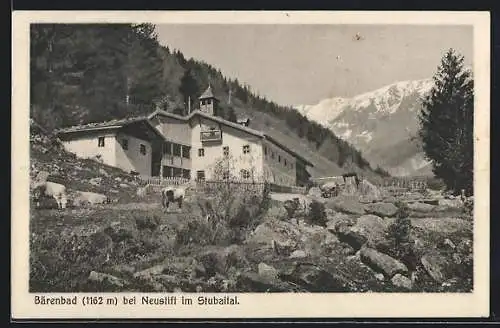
173 194
51 189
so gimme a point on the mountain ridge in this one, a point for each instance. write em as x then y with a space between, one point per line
382 124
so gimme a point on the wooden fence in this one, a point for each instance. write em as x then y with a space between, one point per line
207 186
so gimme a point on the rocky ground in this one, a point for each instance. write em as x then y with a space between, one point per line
241 243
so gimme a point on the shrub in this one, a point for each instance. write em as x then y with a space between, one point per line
317 213
399 237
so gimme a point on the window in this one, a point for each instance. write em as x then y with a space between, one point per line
168 171
200 175
201 152
100 142
203 102
272 155
285 163
167 148
246 149
279 159
142 149
177 150
186 174
225 175
265 151
209 101
125 144
245 174
185 151
225 151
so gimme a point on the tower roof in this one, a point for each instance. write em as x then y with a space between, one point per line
208 93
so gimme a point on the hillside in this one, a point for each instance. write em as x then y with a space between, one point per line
89 73
382 124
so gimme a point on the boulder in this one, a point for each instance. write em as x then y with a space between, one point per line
369 191
421 207
95 181
314 192
266 271
382 263
315 279
103 172
275 232
123 185
253 282
436 266
453 203
298 254
401 281
107 279
82 198
369 229
346 204
353 238
381 209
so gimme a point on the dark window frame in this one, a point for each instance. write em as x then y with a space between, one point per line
246 149
101 142
201 152
125 143
143 149
186 152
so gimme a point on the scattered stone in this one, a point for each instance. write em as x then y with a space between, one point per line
420 207
298 254
381 262
83 198
451 203
103 172
123 185
435 265
348 205
95 181
401 281
118 179
106 278
315 279
379 276
147 273
314 192
253 282
381 209
266 271
447 242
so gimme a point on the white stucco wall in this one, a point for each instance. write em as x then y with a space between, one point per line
235 140
132 159
276 171
87 147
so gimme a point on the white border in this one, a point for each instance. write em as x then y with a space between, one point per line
258 305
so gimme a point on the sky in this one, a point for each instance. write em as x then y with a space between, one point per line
303 64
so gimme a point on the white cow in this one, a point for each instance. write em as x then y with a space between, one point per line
172 194
51 189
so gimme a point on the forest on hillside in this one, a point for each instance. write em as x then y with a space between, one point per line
87 73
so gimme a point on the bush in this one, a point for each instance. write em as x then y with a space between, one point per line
399 237
317 213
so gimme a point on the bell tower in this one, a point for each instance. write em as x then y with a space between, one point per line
208 102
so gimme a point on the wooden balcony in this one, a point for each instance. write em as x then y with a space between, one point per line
212 135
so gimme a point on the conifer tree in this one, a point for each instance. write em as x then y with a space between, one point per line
446 122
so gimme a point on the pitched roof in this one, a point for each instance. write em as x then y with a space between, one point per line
208 93
237 126
109 125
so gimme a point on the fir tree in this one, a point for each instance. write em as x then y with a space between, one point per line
446 122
